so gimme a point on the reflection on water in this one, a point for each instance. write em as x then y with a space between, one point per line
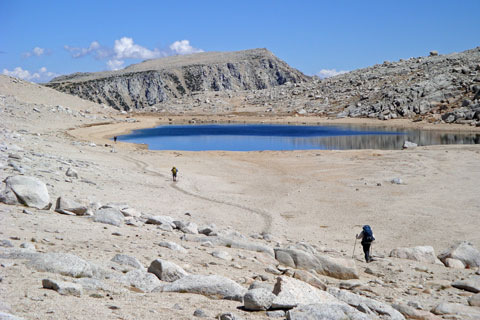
288 137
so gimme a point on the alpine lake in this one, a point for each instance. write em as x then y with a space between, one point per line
259 137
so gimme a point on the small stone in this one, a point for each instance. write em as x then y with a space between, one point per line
199 313
64 288
72 173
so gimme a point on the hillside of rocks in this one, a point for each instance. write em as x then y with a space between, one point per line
436 88
161 80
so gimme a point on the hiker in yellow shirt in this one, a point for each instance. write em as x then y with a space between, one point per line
174 173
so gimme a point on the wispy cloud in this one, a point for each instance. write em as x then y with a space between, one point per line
41 75
37 51
327 73
125 48
183 47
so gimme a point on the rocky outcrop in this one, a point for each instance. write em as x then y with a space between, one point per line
339 268
420 253
25 190
213 286
155 81
463 251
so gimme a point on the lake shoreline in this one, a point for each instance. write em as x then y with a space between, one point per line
103 133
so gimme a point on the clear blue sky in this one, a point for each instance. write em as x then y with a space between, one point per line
39 39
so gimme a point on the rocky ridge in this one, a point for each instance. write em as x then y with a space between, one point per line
436 88
159 81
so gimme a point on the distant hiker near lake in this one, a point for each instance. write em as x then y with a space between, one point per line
174 173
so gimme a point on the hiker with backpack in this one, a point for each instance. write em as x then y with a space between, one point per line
367 238
174 173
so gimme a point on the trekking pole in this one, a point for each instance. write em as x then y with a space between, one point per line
354 246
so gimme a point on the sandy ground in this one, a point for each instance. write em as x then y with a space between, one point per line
320 197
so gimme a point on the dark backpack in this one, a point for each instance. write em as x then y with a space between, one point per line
367 234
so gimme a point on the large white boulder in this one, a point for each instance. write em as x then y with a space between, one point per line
328 311
29 191
166 270
213 286
339 268
463 251
292 292
420 253
63 263
70 207
258 299
141 280
357 301
463 311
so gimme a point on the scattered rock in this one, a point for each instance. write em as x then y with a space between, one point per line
375 306
190 228
325 311
72 173
109 216
463 251
63 263
126 260
292 292
29 191
64 288
223 255
258 299
229 316
471 284
474 300
420 253
276 314
70 207
166 270
465 312
412 313
333 267
260 284
144 281
309 278
213 286
159 220
199 313
172 246
454 263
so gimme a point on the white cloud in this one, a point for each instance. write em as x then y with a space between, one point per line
82 52
126 48
183 47
115 64
327 73
37 51
42 75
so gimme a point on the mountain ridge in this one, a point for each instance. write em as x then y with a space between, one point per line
155 81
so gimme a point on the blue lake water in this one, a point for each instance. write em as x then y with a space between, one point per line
257 137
